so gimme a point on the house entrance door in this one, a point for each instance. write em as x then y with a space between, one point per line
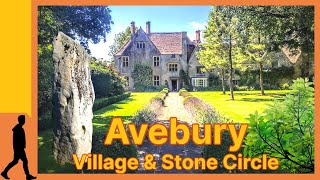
174 85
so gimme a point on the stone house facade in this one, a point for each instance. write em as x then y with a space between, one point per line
169 52
166 53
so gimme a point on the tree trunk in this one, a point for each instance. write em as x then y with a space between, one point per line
231 70
223 81
261 78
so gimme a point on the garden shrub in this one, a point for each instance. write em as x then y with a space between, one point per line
184 93
103 102
285 86
209 88
286 130
144 115
139 87
102 84
151 111
106 80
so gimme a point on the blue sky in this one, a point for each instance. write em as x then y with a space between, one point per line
162 18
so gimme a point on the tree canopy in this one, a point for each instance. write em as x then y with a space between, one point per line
82 23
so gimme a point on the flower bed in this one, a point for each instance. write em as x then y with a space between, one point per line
201 111
151 111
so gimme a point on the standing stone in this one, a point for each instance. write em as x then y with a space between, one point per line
73 97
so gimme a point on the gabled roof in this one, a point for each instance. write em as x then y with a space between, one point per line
124 47
167 43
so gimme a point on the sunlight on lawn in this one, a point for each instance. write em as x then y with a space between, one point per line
245 102
124 109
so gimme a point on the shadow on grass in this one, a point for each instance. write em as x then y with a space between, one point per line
102 123
46 161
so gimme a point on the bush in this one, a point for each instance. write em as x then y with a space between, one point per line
100 103
106 80
285 86
144 115
184 93
286 130
209 88
151 111
102 85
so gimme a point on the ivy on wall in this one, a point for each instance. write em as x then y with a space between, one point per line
142 74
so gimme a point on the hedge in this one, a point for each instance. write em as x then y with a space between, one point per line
103 102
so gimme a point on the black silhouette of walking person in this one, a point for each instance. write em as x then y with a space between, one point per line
19 144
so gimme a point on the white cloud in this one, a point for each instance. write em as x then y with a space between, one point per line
198 26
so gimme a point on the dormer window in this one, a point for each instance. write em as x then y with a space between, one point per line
141 45
173 56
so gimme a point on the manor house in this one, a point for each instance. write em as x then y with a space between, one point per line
168 53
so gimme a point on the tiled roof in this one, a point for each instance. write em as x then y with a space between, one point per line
167 43
124 47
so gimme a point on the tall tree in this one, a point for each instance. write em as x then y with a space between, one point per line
288 26
83 23
222 46
212 54
255 36
119 40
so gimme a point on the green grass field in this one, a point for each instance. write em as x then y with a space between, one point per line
125 109
245 102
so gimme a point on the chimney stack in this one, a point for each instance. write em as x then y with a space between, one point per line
132 28
148 27
198 36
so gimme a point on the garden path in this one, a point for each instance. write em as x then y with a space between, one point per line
173 108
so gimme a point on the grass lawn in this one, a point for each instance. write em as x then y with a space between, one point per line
125 109
245 102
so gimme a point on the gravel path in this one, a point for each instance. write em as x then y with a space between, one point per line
173 108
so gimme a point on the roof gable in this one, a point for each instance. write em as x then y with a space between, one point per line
167 43
140 35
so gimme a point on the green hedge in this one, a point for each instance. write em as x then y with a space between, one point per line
103 102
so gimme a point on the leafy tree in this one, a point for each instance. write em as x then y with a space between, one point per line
222 46
119 40
211 53
83 23
288 26
255 49
286 131
106 80
184 79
